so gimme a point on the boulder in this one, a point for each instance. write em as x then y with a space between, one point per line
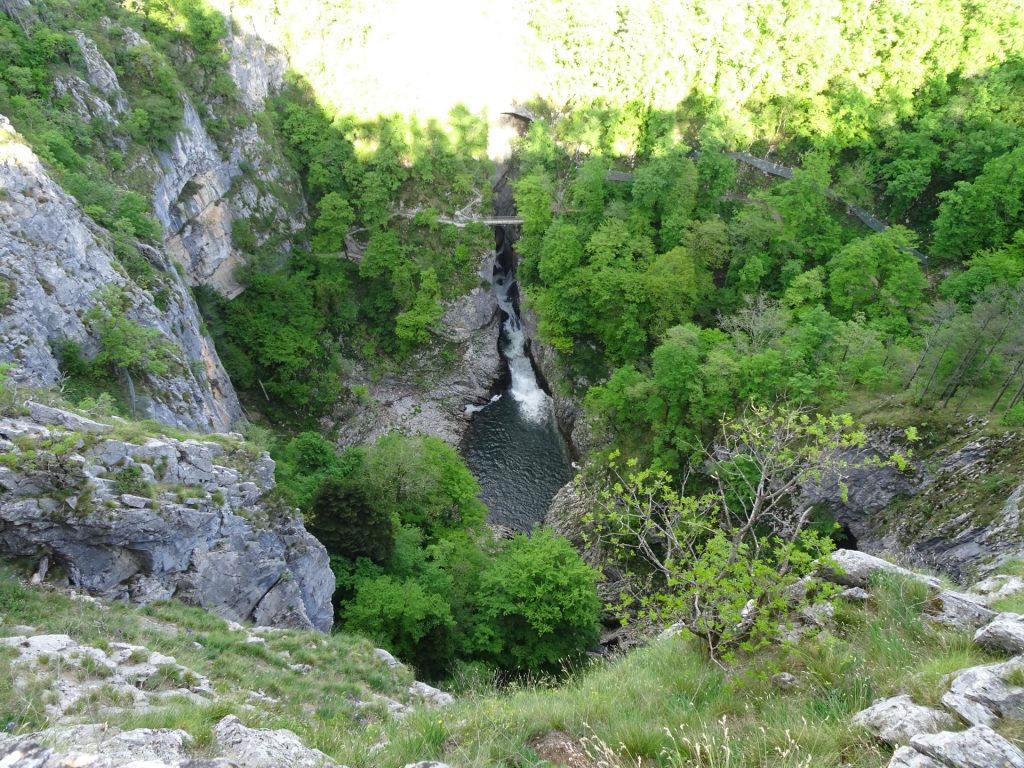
1005 634
998 587
856 569
898 719
977 747
390 661
430 695
958 610
262 748
981 695
908 757
854 595
72 422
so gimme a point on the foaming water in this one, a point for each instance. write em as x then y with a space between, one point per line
519 458
513 445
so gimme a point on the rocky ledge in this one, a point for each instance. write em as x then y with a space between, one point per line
978 703
89 686
431 396
137 517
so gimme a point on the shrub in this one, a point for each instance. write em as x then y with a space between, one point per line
129 480
6 293
403 616
348 521
125 343
538 604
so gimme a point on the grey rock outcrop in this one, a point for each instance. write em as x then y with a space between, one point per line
101 75
958 609
1005 634
403 403
430 695
56 260
998 587
908 757
262 748
981 695
121 673
258 62
932 514
99 746
977 747
898 719
202 190
164 518
856 569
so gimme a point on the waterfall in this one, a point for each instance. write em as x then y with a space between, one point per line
534 403
513 445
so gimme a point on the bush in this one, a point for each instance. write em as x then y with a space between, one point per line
125 343
6 293
400 614
129 480
1014 417
349 522
538 604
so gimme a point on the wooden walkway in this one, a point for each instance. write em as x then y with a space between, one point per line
868 219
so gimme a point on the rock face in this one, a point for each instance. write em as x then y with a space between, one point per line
1005 634
958 610
202 191
982 695
100 74
55 261
404 403
946 513
257 65
161 518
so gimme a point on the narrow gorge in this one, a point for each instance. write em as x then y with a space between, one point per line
514 445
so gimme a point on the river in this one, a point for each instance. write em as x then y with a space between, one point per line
513 445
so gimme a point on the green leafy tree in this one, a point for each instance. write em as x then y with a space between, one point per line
413 327
126 344
877 275
406 618
537 605
424 481
349 521
721 562
332 224
984 213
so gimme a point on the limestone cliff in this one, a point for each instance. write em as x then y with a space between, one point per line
200 188
146 518
431 395
55 260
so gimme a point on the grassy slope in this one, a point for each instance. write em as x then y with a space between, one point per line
317 705
660 703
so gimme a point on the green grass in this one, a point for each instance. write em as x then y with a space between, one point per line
664 704
1011 604
319 706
